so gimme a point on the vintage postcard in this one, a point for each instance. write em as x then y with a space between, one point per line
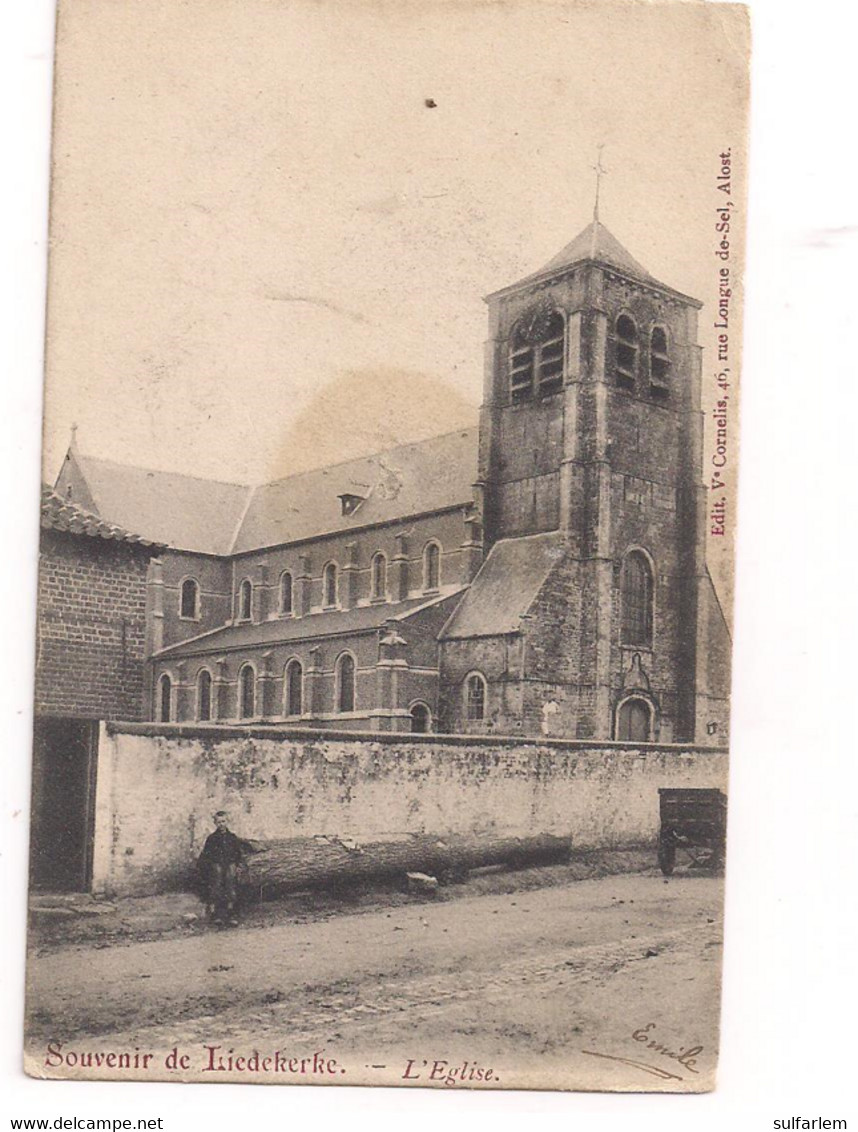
384 625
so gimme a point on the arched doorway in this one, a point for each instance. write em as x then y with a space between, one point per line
634 720
421 719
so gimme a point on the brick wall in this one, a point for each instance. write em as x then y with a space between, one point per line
447 528
214 578
90 627
157 787
499 661
318 657
220 579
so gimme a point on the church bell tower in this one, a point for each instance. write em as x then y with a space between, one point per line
591 426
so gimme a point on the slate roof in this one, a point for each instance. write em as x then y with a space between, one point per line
181 511
596 245
222 518
335 622
60 514
413 479
506 586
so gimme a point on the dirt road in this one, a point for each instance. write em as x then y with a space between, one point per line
573 982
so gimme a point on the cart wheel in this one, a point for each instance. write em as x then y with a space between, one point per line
666 856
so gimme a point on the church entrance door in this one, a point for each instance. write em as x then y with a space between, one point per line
634 721
420 719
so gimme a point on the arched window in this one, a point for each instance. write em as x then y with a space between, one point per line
659 363
189 600
329 585
294 688
475 697
165 698
378 585
345 680
247 692
431 566
421 719
285 593
634 720
204 695
245 600
638 593
537 351
627 352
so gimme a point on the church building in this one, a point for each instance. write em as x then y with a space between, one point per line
544 574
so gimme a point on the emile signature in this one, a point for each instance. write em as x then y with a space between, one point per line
646 1038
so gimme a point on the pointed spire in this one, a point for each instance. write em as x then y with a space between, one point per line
594 244
597 244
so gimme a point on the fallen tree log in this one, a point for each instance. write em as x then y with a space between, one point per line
294 863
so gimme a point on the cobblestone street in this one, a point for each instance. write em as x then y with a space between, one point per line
562 975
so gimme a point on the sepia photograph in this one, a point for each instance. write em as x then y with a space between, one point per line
385 587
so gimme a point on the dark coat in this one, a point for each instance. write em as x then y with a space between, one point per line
221 848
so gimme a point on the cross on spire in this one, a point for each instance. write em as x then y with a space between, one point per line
600 171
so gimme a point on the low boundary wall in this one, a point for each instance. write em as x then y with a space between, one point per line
158 785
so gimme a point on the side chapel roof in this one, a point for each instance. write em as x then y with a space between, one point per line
280 630
506 585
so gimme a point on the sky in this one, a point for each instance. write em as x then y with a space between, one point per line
268 252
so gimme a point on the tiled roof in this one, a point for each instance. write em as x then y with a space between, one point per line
428 475
181 511
60 514
362 618
505 587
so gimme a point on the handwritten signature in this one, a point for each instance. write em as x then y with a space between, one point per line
686 1057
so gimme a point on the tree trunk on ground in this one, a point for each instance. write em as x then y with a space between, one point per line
307 862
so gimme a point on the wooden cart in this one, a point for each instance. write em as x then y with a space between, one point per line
694 821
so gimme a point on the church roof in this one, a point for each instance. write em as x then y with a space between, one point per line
58 514
598 244
177 510
414 479
281 630
595 244
221 518
505 587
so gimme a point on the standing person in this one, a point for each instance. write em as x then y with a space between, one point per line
218 864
